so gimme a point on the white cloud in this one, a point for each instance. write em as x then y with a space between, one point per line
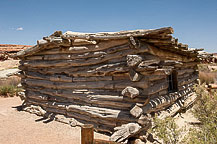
19 29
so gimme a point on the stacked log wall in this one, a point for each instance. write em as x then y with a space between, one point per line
87 81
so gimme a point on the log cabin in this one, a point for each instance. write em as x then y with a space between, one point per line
113 80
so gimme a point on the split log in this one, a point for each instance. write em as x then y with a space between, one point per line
64 78
169 55
102 113
173 109
146 63
133 60
36 95
84 62
125 131
56 111
41 42
134 76
157 87
183 71
154 77
83 42
158 41
99 70
188 80
155 71
89 96
172 63
71 56
86 85
160 102
117 102
117 35
87 120
136 111
114 44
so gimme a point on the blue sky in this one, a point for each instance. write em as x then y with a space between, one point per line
26 21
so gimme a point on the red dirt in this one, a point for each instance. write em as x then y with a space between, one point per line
19 127
12 47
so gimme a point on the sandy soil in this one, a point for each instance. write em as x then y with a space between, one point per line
8 64
18 127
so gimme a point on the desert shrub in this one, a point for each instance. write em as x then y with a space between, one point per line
203 67
13 80
9 87
206 112
166 130
9 90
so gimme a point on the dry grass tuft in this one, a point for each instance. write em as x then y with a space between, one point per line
8 87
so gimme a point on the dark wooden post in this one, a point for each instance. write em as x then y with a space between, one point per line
87 134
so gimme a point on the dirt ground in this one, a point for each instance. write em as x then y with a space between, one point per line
19 127
7 64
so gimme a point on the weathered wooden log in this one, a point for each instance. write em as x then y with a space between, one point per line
172 63
158 41
55 110
30 101
42 42
71 56
155 71
136 111
159 36
36 95
133 60
183 71
169 55
87 120
87 134
187 80
85 116
114 44
173 109
147 63
163 101
125 131
121 84
96 70
83 42
117 102
158 103
84 62
117 35
155 77
87 95
103 113
134 76
64 78
157 87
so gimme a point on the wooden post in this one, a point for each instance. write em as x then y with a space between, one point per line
87 134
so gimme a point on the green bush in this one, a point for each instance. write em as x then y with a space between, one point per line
9 90
206 112
166 130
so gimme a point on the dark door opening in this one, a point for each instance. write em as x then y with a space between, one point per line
173 81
